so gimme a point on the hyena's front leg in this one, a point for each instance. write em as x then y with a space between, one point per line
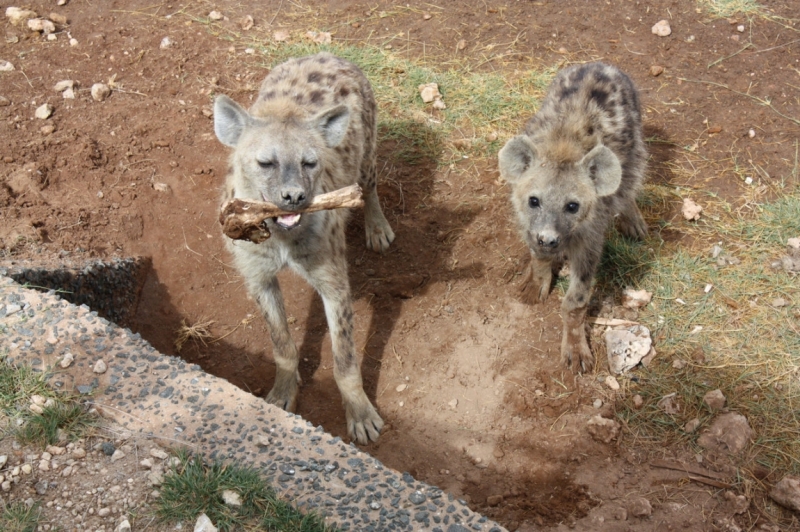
287 377
536 287
575 351
379 232
363 422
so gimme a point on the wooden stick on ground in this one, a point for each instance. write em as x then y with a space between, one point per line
243 219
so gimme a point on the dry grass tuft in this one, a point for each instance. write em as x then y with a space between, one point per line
198 332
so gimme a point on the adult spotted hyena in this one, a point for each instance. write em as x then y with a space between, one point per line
579 163
312 130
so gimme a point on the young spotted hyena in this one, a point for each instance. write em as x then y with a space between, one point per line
312 130
579 164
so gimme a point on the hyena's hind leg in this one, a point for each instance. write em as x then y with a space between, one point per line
631 222
379 232
287 376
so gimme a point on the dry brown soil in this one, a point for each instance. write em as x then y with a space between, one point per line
487 410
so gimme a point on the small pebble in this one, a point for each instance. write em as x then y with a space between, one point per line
100 91
44 111
401 387
661 28
100 367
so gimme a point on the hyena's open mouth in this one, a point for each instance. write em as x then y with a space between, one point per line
288 221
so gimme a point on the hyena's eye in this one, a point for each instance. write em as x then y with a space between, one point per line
309 165
572 207
533 202
266 164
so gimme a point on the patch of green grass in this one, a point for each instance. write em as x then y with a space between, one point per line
61 420
17 385
18 517
719 318
728 8
195 486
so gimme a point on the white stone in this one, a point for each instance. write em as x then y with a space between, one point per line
44 111
231 498
439 104
63 85
38 399
124 526
690 209
67 360
100 367
453 403
104 512
118 455
44 465
787 493
401 387
26 469
3 460
216 15
36 409
611 382
166 42
627 347
280 36
204 524
6 66
429 92
79 452
636 298
41 25
17 15
661 28
602 429
793 243
246 22
729 433
100 91
73 42
146 463
68 94
155 452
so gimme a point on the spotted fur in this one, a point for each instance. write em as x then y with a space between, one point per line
579 164
312 129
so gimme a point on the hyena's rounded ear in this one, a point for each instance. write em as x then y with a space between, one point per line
604 169
516 157
333 124
229 120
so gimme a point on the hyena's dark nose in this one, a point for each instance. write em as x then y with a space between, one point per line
547 241
293 196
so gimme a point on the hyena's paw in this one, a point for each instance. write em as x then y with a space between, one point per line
576 355
379 234
632 224
536 286
284 391
364 424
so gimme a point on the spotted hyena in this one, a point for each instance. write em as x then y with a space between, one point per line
311 130
579 163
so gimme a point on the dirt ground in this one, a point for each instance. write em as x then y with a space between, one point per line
486 413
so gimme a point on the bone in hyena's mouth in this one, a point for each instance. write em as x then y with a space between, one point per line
287 221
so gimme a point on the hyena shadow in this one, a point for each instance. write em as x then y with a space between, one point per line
626 261
408 158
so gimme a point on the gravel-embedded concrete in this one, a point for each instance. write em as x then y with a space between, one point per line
173 403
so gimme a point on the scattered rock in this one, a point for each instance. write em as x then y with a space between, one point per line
47 129
44 111
494 500
460 45
6 66
679 363
68 94
67 360
439 104
426 16
639 507
246 22
100 91
597 403
4 102
715 400
740 28
787 493
729 433
119 454
59 19
42 25
636 298
159 453
602 429
161 187
453 403
669 404
611 382
751 133
638 402
18 16
401 387
691 425
100 367
738 503
280 36
779 302
166 42
108 448
627 347
793 243
231 498
429 92
656 70
124 526
319 37
63 85
204 524
216 15
691 210
41 487
661 28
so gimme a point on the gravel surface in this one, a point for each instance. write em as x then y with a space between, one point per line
155 402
